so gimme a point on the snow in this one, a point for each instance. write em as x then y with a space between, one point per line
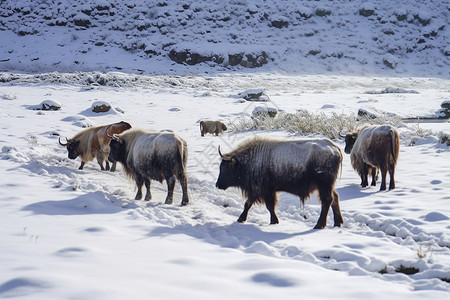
64 228
78 234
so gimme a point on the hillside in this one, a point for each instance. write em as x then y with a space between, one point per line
303 37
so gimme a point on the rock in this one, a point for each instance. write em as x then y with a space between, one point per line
321 12
47 105
254 95
365 114
100 107
366 12
191 58
247 60
444 112
390 62
264 111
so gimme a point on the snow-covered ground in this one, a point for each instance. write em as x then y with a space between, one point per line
71 234
392 38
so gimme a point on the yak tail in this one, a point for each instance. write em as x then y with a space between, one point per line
394 145
181 159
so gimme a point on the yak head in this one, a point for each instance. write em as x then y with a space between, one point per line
73 147
350 139
117 150
230 172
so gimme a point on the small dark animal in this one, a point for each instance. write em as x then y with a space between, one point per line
213 127
151 155
262 167
374 148
93 143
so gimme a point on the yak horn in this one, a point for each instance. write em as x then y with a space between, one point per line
342 134
59 140
107 134
220 153
112 137
223 156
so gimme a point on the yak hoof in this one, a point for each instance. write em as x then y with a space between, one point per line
274 222
241 220
184 202
168 201
318 226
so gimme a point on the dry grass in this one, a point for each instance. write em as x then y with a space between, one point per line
304 122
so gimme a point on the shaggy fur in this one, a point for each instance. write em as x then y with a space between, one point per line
93 143
374 148
150 155
262 167
212 127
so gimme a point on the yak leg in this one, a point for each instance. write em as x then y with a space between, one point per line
170 187
82 165
100 160
383 178
391 175
148 195
374 176
113 166
364 176
243 216
183 181
139 183
325 200
270 205
338 220
107 166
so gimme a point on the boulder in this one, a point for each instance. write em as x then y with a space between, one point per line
264 111
48 105
254 95
100 107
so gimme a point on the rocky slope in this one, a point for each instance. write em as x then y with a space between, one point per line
343 36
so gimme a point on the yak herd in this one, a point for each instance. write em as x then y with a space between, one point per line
259 167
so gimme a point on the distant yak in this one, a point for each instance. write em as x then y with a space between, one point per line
261 167
152 155
212 127
374 148
93 143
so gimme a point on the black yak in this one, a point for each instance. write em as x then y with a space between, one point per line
152 155
262 167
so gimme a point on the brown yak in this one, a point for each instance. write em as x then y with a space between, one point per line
213 127
93 142
371 148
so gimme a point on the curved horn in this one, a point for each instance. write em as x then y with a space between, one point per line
67 141
342 134
223 156
220 153
107 134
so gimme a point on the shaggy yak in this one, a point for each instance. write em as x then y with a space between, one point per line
152 155
93 143
262 167
213 127
374 148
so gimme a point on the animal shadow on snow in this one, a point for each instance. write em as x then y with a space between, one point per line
234 235
353 191
90 203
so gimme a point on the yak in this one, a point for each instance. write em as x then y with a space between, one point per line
212 127
152 155
373 148
261 167
93 143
